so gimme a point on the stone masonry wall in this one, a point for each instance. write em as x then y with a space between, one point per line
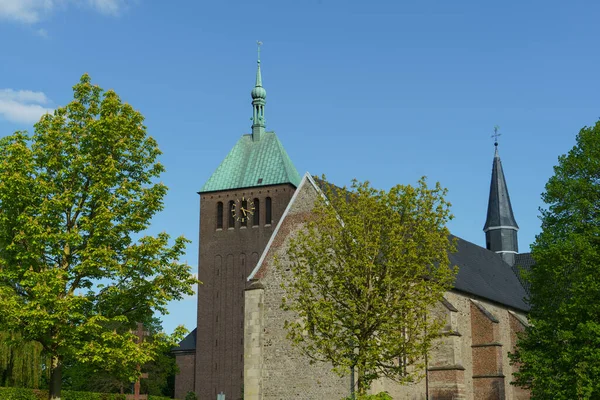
469 362
286 373
253 341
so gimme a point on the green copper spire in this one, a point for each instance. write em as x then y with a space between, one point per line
258 75
259 99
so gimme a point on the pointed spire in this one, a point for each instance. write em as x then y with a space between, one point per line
258 75
259 99
500 226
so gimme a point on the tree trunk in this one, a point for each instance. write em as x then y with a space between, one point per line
362 385
55 378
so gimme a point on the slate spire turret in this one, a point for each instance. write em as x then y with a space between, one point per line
500 226
259 99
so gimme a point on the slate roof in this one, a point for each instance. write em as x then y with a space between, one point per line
253 163
483 273
188 344
499 213
523 261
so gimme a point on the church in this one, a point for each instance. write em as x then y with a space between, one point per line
249 208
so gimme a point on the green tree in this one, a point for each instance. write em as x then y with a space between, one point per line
21 362
86 377
76 271
559 353
363 277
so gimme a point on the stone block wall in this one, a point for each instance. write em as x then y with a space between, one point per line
446 373
253 341
469 362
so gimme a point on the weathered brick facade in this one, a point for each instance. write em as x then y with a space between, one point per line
184 381
227 256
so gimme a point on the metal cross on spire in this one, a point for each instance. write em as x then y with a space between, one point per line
496 135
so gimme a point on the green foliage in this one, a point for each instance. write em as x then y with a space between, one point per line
28 394
161 371
21 362
363 277
76 270
559 354
378 396
191 396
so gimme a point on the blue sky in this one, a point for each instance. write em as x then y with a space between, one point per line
382 90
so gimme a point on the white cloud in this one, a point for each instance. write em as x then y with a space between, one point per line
42 32
22 106
109 7
32 11
27 11
24 96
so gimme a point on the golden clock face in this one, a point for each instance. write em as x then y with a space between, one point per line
243 209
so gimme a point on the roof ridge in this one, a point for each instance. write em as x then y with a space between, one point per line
305 178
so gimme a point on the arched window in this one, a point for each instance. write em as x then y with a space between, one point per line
268 215
244 217
220 215
256 216
231 218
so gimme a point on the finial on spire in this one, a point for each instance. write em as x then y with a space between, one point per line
496 135
259 98
258 74
259 43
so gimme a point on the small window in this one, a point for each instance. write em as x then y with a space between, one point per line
220 215
268 215
244 217
256 216
231 217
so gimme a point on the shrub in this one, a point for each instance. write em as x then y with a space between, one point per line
191 396
34 394
378 396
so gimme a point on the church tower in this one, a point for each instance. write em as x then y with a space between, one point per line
240 206
500 226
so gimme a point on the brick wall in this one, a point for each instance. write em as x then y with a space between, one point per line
226 258
184 381
517 324
486 345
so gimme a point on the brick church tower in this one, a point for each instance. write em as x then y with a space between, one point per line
240 206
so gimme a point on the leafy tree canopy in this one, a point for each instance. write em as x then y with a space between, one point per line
76 271
21 362
364 275
86 377
559 354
